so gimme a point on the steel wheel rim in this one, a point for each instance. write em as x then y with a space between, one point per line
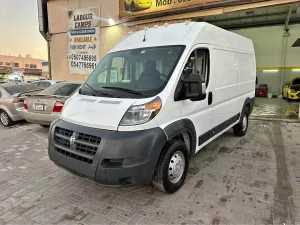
4 119
176 167
244 123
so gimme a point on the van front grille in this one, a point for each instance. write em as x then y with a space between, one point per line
79 146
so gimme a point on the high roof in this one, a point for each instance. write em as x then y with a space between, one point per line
187 34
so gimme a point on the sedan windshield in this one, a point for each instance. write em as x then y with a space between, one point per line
133 73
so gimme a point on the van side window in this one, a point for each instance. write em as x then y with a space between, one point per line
202 63
190 66
198 63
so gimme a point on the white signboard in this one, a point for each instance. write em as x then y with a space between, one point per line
84 43
84 18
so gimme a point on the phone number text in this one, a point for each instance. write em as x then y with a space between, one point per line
90 58
83 65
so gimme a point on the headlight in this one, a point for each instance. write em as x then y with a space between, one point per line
293 91
139 114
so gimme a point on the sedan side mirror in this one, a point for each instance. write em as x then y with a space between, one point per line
195 87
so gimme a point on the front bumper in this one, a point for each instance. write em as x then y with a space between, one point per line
121 159
39 118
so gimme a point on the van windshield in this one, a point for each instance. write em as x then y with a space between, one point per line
136 73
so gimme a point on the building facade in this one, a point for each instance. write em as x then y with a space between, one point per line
261 21
29 67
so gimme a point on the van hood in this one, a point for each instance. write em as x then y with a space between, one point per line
96 112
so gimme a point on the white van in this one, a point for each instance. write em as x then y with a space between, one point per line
157 98
15 78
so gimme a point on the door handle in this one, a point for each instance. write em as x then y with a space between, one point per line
210 98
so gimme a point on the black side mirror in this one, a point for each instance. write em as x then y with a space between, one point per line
195 87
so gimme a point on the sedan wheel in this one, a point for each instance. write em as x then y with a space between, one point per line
5 120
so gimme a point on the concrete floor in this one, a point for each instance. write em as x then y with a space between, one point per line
249 180
275 108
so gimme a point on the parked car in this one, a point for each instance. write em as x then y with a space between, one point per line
291 90
12 101
146 109
43 84
137 5
45 107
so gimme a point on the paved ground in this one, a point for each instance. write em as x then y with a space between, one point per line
250 180
275 109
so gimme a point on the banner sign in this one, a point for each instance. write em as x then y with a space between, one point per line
33 71
130 8
84 40
84 18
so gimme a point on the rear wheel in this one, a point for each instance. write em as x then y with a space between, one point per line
5 119
126 7
132 7
287 97
172 167
241 128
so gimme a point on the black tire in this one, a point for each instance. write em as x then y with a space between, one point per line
161 179
8 121
45 126
126 7
240 130
132 7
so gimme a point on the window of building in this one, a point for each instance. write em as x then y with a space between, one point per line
32 66
15 65
1 63
45 63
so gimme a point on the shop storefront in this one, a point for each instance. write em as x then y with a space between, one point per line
32 74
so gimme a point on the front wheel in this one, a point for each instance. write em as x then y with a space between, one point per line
172 167
5 119
241 128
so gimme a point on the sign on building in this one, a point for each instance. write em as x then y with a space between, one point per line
84 42
143 7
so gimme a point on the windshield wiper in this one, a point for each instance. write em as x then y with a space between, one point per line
98 93
125 90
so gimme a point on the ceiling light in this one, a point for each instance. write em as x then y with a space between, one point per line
270 71
296 70
111 22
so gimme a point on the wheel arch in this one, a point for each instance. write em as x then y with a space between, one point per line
184 129
249 103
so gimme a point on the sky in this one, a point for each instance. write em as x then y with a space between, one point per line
19 29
